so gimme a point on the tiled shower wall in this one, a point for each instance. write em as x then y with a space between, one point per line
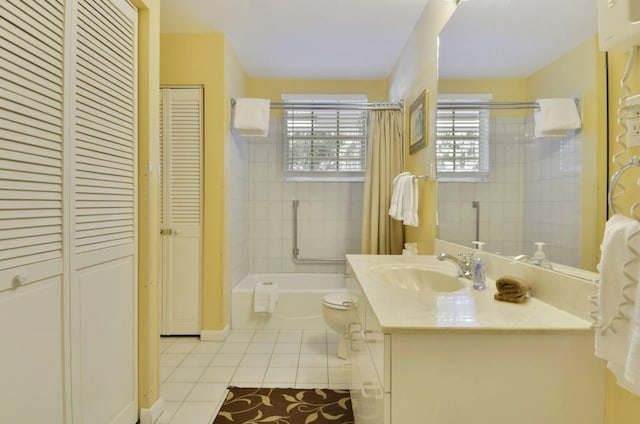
500 199
238 160
533 194
329 215
552 198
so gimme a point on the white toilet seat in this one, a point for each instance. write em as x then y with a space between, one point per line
339 301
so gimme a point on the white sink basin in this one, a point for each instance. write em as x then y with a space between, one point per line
416 278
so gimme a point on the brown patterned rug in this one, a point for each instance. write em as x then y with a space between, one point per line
286 406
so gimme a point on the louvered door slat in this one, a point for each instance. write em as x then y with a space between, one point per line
31 86
17 91
35 27
163 92
98 90
92 18
101 72
184 157
105 129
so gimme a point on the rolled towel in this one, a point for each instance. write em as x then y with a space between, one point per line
511 289
509 298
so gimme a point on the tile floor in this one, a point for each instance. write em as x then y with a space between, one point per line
194 375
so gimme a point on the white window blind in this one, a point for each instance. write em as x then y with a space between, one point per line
325 143
462 142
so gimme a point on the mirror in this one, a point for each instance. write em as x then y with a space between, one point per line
538 189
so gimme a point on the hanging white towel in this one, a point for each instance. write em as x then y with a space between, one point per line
404 199
265 297
251 117
555 117
615 343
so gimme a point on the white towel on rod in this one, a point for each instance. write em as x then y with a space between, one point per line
632 364
265 297
251 117
614 344
555 117
404 199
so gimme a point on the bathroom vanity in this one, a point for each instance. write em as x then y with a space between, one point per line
427 348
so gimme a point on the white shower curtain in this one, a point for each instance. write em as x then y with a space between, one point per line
380 233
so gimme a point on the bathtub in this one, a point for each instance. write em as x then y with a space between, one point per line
299 304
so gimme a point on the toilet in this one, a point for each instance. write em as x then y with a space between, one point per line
338 311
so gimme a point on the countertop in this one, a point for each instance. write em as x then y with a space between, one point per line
401 310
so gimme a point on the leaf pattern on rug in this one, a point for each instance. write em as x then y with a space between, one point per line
285 406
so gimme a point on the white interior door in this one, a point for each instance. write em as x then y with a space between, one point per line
32 289
181 210
103 224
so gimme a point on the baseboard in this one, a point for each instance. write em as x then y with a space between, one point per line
214 335
151 415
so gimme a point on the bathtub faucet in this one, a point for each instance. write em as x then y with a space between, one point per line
461 262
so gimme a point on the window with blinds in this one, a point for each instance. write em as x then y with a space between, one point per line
462 143
321 143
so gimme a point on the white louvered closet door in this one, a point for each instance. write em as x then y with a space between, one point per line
104 214
31 212
181 210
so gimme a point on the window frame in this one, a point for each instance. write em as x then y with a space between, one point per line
482 173
319 176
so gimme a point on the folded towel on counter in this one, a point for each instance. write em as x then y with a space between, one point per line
251 117
265 297
510 298
555 117
404 199
511 289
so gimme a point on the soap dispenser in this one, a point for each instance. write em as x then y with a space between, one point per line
539 257
477 266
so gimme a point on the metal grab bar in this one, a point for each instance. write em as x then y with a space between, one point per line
296 251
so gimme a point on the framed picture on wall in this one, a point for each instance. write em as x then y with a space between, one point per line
418 125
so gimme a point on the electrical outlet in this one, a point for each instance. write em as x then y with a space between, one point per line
633 132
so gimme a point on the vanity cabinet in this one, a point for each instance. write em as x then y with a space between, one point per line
370 390
467 375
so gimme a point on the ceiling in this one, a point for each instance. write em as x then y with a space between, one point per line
512 38
303 39
362 39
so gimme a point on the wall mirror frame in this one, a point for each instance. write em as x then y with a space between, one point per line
545 189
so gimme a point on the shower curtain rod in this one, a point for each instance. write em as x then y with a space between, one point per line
334 105
488 105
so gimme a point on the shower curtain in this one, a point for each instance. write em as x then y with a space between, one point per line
380 233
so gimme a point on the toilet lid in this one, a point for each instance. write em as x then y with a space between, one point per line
340 301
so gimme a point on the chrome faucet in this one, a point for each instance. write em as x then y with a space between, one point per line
461 262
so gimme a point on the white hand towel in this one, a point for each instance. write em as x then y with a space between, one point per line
618 347
612 346
404 199
632 365
555 117
395 208
251 117
265 297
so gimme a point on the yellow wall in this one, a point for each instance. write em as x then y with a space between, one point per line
621 407
503 90
198 59
148 127
415 71
235 82
581 73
